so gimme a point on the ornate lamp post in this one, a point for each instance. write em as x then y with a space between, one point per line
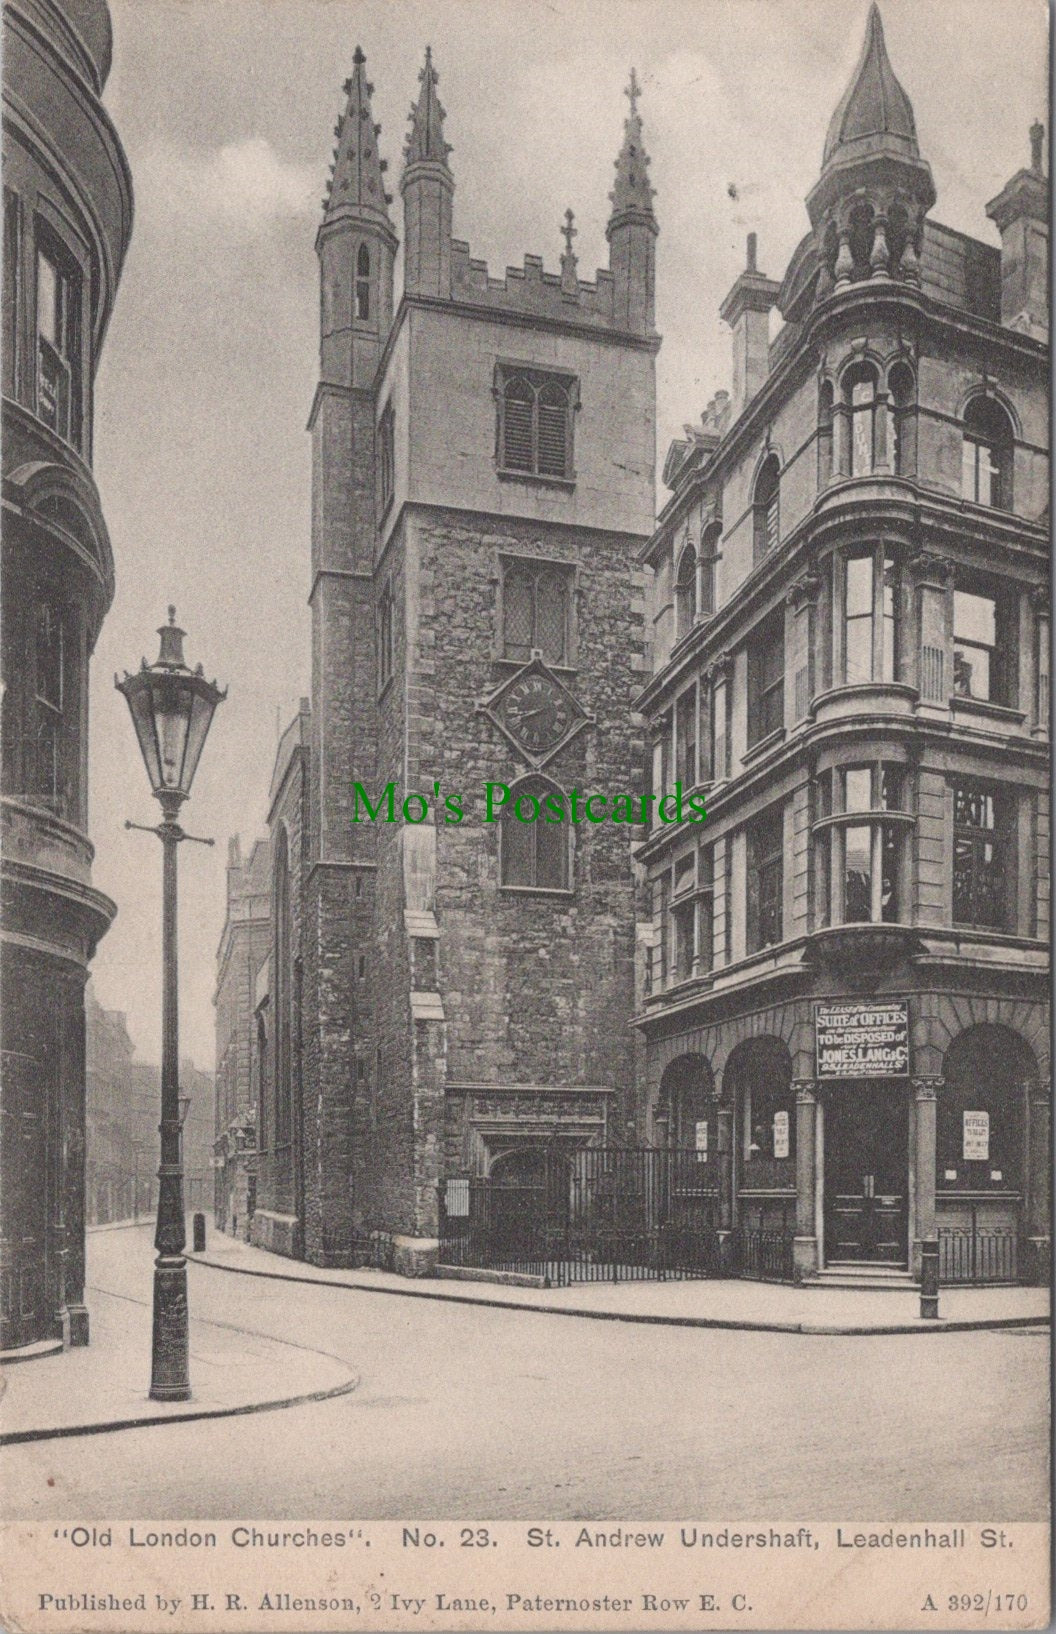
172 708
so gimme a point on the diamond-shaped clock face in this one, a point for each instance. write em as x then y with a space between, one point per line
536 712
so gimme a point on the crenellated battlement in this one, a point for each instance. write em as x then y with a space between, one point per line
531 290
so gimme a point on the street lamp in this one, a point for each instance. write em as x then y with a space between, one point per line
172 708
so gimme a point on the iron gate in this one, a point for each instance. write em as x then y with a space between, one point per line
600 1214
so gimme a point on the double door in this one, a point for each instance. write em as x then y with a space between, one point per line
866 1172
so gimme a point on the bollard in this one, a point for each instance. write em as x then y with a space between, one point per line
199 1234
929 1279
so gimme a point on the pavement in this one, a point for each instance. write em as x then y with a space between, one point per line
711 1303
104 1385
465 1411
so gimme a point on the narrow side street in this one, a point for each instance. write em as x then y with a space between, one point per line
466 1412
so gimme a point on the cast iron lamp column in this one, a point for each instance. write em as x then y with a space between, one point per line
172 707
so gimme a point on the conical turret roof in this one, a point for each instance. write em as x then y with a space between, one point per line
357 184
874 112
425 141
632 189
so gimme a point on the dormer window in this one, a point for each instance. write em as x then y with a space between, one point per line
534 432
362 284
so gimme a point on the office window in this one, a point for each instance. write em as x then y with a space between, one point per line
987 453
984 643
859 394
686 593
980 822
536 609
870 619
765 883
902 420
766 677
50 701
720 737
709 553
534 434
686 738
58 343
767 507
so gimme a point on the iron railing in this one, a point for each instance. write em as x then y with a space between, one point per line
764 1256
601 1214
971 1254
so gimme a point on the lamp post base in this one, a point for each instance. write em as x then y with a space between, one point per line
170 1378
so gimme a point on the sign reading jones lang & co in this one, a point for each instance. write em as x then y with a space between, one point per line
858 1039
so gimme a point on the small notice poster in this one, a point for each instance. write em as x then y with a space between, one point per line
702 1141
976 1137
780 1134
858 1039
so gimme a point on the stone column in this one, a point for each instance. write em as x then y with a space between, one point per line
805 1247
1038 1107
925 1093
724 1122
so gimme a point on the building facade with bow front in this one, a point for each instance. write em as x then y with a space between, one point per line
846 974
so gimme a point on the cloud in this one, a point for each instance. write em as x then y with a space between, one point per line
243 187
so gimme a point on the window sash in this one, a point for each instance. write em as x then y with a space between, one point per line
978 860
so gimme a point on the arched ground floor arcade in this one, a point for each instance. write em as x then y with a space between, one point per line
850 1128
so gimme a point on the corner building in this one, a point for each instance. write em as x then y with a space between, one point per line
455 998
67 223
845 1009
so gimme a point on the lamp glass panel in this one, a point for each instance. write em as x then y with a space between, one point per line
139 703
172 710
202 708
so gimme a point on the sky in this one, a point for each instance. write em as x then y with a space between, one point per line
225 109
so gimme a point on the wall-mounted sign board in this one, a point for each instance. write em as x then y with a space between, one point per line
856 1038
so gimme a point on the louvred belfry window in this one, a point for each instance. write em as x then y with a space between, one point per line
535 423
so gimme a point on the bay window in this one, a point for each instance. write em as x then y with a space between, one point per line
870 617
58 343
858 848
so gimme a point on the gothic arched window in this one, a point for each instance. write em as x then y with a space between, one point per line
536 597
363 283
535 424
534 850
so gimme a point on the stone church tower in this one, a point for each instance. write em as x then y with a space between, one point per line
483 480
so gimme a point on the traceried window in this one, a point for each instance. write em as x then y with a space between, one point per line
767 507
58 342
536 608
870 617
986 475
363 283
765 882
766 677
535 423
534 855
980 822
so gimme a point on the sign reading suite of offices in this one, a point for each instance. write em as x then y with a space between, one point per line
856 1039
